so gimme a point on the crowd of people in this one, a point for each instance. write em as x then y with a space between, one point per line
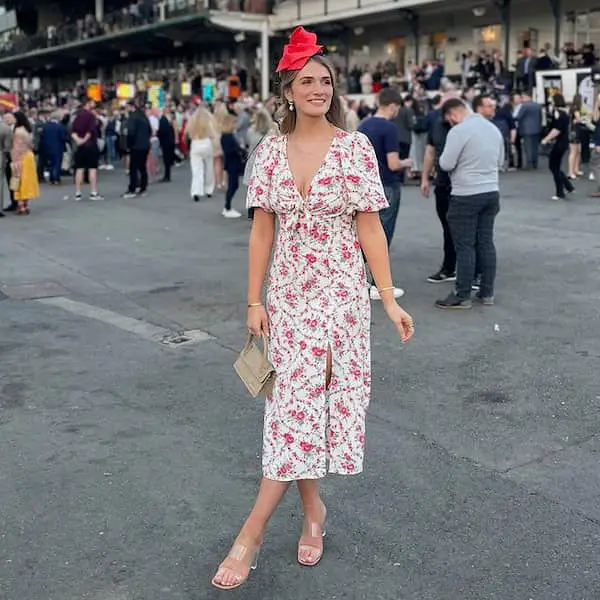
218 137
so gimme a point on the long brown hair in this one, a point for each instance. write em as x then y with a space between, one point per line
576 104
287 117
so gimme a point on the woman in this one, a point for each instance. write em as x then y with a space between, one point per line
110 135
575 127
559 132
418 139
233 161
323 186
24 180
220 113
262 126
202 135
504 120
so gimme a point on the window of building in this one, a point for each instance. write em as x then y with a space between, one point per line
586 28
488 38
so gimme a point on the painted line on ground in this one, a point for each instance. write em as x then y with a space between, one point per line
142 329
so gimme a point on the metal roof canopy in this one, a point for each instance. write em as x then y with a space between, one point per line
194 33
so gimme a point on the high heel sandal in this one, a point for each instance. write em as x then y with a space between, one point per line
239 562
311 540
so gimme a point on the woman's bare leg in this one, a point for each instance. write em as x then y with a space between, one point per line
219 174
571 160
578 160
314 517
269 496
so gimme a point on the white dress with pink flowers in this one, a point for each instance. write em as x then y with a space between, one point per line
317 298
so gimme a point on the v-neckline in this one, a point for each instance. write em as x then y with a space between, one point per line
316 173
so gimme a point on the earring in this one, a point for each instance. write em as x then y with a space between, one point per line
290 105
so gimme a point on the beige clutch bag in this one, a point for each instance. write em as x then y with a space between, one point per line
254 368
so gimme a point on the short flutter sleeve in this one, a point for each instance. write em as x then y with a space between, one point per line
362 179
260 183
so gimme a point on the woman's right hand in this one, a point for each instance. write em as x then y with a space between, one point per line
401 319
257 322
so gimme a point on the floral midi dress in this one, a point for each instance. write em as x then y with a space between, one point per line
317 301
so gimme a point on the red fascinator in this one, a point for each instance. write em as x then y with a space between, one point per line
302 46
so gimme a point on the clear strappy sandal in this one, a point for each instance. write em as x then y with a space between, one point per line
242 559
311 540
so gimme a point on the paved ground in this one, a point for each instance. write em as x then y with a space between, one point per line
127 465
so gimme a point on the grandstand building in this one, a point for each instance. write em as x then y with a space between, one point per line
63 41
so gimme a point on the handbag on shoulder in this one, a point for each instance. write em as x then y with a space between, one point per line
254 368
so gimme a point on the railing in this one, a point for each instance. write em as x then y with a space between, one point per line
89 27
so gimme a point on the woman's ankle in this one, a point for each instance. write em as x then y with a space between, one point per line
251 533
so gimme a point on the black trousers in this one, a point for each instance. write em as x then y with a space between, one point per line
168 153
233 183
442 202
8 175
138 173
518 152
561 181
471 219
403 150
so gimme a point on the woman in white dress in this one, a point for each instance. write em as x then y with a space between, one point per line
202 134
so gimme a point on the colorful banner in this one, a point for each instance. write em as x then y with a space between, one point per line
9 101
156 96
125 91
209 85
94 90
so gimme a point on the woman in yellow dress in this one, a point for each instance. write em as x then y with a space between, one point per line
24 180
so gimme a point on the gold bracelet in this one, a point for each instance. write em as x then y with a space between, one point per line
386 289
255 304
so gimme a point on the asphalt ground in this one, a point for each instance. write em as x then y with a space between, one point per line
127 465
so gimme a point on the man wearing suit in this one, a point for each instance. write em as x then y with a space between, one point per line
525 70
5 148
530 128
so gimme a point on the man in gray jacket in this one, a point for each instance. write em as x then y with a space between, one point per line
473 156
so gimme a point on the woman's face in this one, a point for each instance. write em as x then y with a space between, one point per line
312 90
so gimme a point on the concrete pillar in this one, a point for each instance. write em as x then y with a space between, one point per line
557 12
100 10
265 61
416 31
505 13
100 75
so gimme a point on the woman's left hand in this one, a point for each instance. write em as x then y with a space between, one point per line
402 320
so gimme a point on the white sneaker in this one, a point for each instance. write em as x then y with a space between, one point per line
592 178
375 295
556 198
231 213
109 167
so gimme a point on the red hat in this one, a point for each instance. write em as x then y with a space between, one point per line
302 46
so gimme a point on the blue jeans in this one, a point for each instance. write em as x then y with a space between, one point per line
111 149
55 167
389 215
